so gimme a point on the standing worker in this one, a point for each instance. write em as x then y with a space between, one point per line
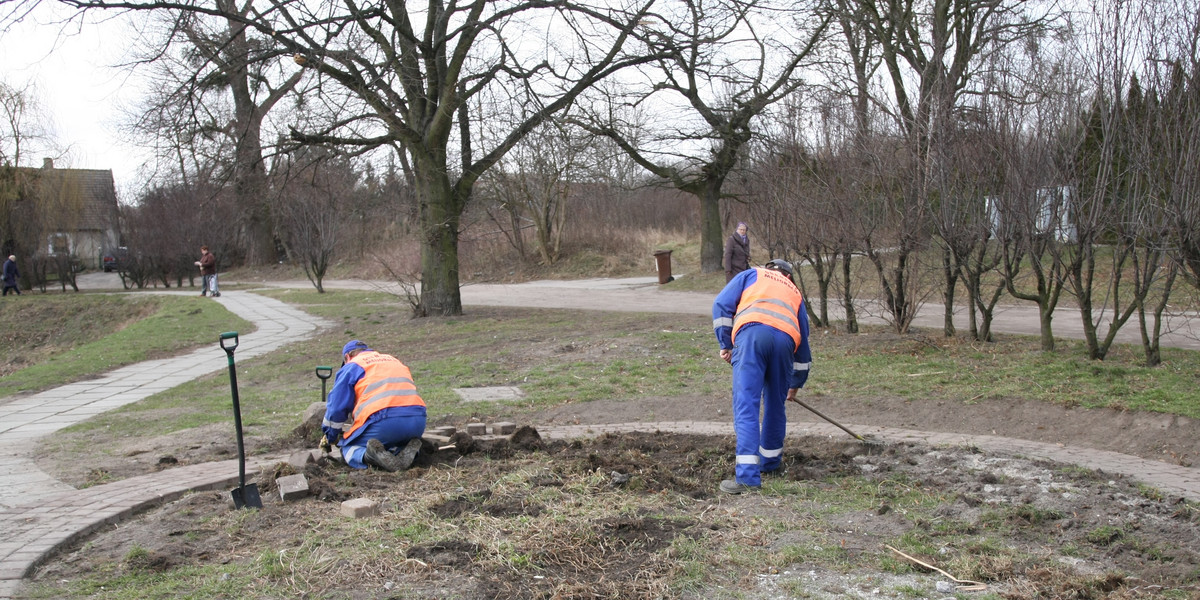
762 328
11 274
737 252
375 411
208 272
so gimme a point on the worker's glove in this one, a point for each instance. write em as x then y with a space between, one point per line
324 445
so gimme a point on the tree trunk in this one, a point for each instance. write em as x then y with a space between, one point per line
440 212
847 296
250 174
1046 315
951 275
711 236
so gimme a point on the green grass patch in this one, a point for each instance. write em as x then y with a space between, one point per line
923 366
563 356
61 339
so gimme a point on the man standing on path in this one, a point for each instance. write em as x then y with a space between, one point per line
208 272
11 274
375 411
737 252
762 328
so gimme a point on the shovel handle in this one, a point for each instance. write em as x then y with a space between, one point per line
324 372
229 335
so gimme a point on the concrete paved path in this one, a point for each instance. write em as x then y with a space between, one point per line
42 515
644 294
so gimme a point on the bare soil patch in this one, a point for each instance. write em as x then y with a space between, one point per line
638 516
1168 438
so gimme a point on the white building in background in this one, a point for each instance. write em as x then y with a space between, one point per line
1052 212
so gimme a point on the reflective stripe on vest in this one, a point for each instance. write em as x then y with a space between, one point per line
386 382
771 300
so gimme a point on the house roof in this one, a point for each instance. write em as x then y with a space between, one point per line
96 190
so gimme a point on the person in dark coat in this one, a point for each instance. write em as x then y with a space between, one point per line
208 272
10 275
737 252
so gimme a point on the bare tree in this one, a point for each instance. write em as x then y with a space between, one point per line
23 129
725 63
932 52
313 189
406 75
216 79
168 224
533 183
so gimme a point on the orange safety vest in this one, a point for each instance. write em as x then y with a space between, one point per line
386 383
771 300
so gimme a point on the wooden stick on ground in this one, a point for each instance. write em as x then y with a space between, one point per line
964 585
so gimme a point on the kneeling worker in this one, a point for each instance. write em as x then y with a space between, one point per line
375 411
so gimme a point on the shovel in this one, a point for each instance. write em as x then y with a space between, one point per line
245 496
870 441
324 373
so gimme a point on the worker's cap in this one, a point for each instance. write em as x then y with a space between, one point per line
778 264
353 345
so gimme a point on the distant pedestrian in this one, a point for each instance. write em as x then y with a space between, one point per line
737 252
762 328
208 272
11 274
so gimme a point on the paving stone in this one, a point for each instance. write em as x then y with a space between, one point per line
488 394
504 428
476 428
314 414
292 487
445 430
433 438
359 508
298 460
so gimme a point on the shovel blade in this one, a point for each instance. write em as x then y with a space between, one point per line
247 497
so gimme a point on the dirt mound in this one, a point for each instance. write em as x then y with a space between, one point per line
639 516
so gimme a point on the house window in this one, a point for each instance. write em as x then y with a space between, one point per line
59 243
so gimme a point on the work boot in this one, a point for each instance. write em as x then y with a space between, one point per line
378 456
409 453
730 486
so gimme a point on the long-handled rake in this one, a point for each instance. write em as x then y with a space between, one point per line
868 440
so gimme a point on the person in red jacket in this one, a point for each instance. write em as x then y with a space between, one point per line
208 272
374 412
762 329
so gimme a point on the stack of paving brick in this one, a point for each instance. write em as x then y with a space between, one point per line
479 432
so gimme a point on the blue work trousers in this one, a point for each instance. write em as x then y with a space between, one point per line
762 371
392 431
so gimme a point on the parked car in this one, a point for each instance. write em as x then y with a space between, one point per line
113 259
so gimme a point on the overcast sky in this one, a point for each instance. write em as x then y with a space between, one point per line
78 84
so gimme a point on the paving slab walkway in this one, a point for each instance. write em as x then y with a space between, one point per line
42 515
